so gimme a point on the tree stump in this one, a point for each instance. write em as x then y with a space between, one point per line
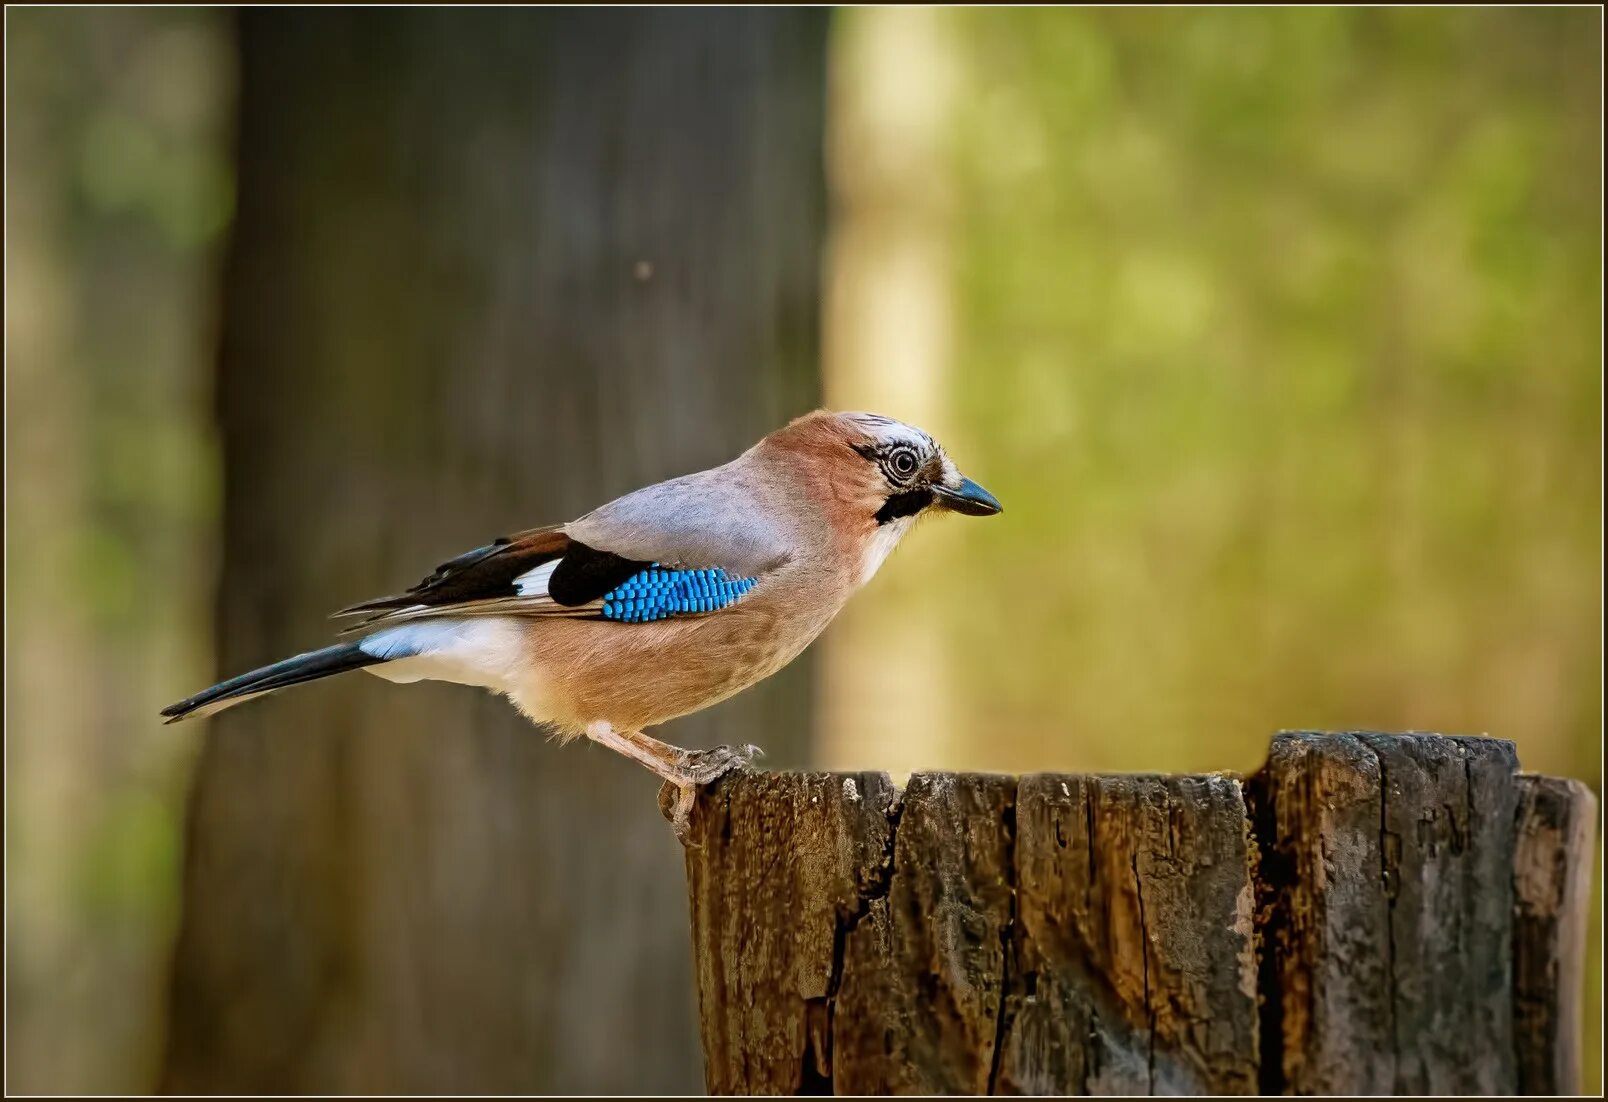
1369 913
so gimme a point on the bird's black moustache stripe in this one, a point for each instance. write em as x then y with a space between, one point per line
906 503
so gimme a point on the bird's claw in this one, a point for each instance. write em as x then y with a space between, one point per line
675 803
699 767
708 766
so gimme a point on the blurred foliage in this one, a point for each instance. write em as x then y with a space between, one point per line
119 187
1276 330
1277 333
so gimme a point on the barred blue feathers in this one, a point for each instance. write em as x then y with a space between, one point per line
657 593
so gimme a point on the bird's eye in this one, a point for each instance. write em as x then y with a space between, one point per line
902 462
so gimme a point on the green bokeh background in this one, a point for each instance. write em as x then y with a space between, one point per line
1285 325
1278 334
1277 331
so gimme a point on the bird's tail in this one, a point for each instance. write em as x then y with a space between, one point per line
281 675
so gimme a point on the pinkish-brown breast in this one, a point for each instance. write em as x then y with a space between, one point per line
637 675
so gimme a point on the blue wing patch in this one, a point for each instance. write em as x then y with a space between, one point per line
657 593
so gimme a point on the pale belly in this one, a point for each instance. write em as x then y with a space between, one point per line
633 676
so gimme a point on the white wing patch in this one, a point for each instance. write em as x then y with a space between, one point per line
533 582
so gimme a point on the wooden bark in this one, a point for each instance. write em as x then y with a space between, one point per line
1344 922
1389 874
490 268
1140 979
982 934
771 918
1557 826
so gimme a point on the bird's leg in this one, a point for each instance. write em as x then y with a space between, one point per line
683 770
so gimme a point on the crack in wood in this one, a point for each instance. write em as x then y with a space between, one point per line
1274 876
1204 936
1388 883
1150 1012
843 926
1007 944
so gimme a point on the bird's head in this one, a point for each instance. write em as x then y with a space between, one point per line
881 473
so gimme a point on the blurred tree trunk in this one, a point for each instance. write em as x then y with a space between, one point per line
490 268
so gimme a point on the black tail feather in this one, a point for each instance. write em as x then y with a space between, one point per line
292 671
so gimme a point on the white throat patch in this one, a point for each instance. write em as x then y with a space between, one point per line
881 545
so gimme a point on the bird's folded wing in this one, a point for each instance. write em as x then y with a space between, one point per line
548 572
724 517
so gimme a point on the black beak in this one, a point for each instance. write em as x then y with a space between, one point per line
968 498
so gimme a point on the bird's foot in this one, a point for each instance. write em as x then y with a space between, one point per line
698 768
708 766
675 803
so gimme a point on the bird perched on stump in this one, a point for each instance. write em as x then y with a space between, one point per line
660 603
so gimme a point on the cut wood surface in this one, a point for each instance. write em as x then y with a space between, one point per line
1369 913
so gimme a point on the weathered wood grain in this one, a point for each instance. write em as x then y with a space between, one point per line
1136 968
1323 916
924 975
1387 910
976 935
1368 914
1557 823
783 868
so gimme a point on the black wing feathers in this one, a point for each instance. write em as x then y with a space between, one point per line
483 573
585 574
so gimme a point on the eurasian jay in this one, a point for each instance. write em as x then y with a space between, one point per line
660 603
